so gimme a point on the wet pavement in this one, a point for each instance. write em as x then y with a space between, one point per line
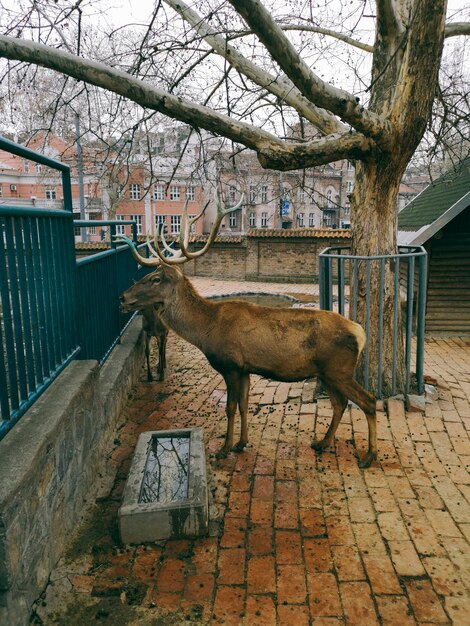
295 538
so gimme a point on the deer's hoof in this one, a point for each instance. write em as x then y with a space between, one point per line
319 446
239 447
367 460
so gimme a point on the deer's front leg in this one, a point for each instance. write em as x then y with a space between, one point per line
233 384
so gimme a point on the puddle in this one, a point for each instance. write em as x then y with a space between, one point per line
166 476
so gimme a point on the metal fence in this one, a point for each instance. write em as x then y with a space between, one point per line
340 274
52 308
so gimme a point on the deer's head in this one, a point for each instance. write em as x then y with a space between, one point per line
153 290
158 287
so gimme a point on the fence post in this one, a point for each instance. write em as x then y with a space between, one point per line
421 322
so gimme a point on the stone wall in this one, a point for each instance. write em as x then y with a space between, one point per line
52 464
270 255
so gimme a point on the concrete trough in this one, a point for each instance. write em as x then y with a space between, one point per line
166 490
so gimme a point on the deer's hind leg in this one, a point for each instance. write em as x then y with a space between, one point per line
244 391
339 403
232 380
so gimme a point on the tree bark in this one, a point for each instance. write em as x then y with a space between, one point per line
374 227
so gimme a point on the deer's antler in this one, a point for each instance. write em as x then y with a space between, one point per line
221 213
183 254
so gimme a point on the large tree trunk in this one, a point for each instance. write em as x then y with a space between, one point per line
406 59
373 222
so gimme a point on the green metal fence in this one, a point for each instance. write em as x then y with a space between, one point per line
52 308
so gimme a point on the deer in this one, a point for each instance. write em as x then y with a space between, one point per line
153 326
240 338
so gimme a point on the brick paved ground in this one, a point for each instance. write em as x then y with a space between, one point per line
295 538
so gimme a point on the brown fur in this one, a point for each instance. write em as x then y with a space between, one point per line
239 339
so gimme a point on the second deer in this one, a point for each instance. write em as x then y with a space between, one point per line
153 326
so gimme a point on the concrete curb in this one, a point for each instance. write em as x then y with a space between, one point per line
49 465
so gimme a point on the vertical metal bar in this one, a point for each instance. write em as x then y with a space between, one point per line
67 190
381 326
112 234
59 288
330 283
49 314
8 348
396 317
355 288
32 289
134 231
25 305
4 402
321 281
421 322
16 311
340 283
409 320
366 364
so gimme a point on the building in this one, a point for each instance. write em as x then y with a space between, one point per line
151 180
439 219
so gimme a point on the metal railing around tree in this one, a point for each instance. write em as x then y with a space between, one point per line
346 286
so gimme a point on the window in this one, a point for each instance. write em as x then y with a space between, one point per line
349 186
138 220
91 230
252 220
300 220
160 223
252 194
302 195
311 220
327 220
347 208
26 166
1 191
120 230
175 223
329 197
38 168
264 194
51 193
232 194
264 220
193 225
159 192
134 191
233 220
190 193
175 193
350 166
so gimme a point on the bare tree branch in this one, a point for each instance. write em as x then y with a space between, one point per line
338 101
330 33
454 29
318 152
280 87
195 115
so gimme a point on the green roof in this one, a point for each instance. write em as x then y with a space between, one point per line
436 199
